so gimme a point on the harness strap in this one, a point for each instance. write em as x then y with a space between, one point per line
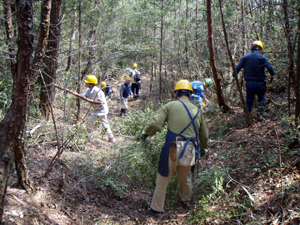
190 139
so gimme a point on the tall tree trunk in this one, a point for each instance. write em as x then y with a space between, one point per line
186 38
196 24
179 41
233 66
217 79
10 36
161 49
243 26
51 59
297 85
91 55
79 69
71 43
290 49
12 127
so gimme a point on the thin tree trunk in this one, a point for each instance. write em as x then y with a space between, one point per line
90 56
217 79
297 85
179 43
290 51
71 44
79 70
233 66
196 24
243 26
10 36
186 39
161 50
50 60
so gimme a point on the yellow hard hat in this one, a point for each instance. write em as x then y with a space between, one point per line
91 79
127 78
183 85
103 84
135 65
259 43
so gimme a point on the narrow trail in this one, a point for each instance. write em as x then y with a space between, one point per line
75 191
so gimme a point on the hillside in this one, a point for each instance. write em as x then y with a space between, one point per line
250 175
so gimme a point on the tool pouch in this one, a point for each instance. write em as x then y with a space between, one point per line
173 151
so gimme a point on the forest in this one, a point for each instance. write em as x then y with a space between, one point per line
52 173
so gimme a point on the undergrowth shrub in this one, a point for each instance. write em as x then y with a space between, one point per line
210 184
137 163
138 160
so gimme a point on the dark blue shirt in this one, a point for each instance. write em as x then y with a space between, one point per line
254 65
125 90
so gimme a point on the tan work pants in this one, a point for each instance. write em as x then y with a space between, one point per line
184 180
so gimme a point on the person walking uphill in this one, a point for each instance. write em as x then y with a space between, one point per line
187 133
124 94
101 110
136 81
254 64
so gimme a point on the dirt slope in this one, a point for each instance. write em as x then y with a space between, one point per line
70 196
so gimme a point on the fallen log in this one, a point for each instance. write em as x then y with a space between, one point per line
78 95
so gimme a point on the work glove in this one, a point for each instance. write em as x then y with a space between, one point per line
144 136
271 80
202 152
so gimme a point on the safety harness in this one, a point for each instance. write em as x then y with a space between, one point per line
163 166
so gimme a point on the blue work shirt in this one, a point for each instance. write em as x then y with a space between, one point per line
125 90
254 64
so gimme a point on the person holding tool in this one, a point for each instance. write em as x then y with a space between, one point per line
107 89
187 133
198 88
254 65
101 110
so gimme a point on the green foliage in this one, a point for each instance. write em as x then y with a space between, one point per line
213 177
138 161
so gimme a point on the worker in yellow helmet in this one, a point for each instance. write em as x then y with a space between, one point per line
125 92
107 89
135 81
187 133
101 110
254 65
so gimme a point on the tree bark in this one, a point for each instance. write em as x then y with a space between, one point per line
233 66
290 50
186 39
297 85
79 65
161 49
51 59
12 127
71 43
217 79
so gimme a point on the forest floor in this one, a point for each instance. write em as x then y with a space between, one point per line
261 162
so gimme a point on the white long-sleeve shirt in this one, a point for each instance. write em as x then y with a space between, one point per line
96 94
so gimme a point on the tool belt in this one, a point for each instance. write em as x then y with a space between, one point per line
182 161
